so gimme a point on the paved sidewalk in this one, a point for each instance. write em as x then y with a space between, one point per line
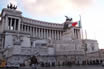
64 67
75 67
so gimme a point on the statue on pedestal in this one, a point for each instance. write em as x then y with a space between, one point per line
68 19
66 22
11 6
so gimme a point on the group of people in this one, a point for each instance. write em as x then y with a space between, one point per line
92 62
69 63
47 64
33 63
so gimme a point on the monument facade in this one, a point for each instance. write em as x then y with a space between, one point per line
21 38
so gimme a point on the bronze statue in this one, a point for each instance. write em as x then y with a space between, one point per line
14 7
65 26
66 23
68 19
11 6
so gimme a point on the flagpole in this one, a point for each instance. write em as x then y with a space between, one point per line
80 26
85 34
81 33
80 21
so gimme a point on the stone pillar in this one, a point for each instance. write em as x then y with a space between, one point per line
6 24
54 34
36 31
74 33
33 32
19 22
14 24
11 24
21 27
43 33
39 32
30 30
59 35
25 28
79 34
51 34
47 33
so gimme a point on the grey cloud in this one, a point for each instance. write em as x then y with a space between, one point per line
53 7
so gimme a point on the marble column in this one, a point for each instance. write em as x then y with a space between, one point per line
59 35
39 32
75 33
55 34
14 24
21 27
43 33
11 24
6 24
25 28
30 30
52 34
19 22
79 34
33 32
36 31
47 33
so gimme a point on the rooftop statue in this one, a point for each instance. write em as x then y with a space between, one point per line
68 19
66 24
11 6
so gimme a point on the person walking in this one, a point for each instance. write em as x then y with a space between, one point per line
33 62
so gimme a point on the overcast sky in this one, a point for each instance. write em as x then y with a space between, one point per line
91 11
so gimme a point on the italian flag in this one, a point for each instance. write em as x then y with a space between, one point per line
78 24
74 24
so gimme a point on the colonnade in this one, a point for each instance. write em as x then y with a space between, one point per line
77 33
42 32
13 23
35 31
